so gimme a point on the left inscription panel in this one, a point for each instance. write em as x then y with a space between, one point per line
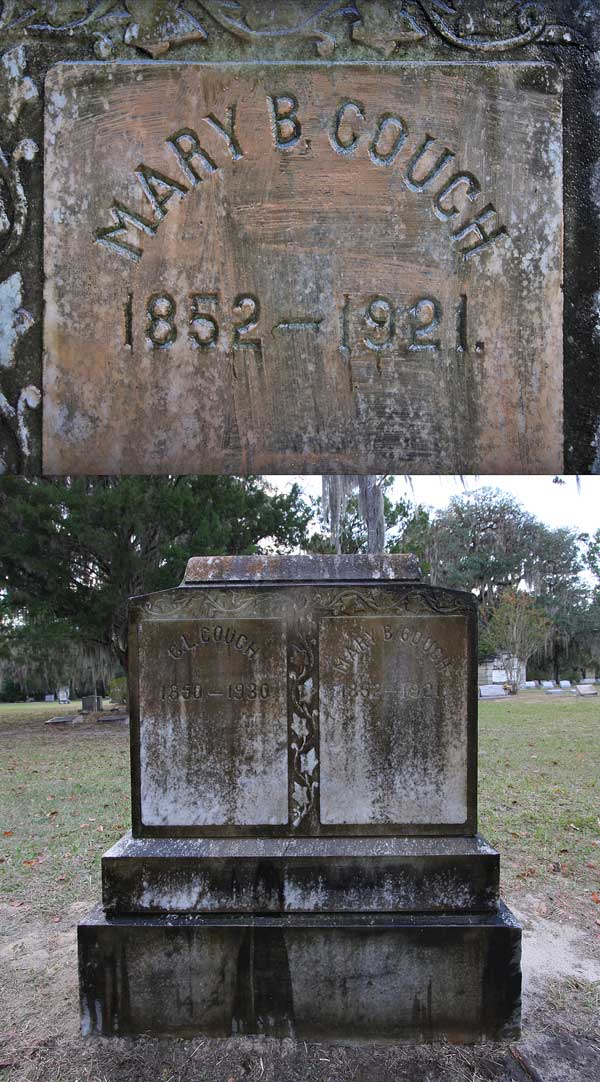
213 724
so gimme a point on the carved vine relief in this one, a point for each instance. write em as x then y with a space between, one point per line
107 28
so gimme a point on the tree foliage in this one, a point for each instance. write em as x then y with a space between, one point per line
73 551
517 629
355 518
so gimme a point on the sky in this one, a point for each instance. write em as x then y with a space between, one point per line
575 504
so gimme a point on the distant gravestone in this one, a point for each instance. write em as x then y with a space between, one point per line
63 695
90 704
492 691
565 684
548 683
531 684
49 698
586 690
589 680
304 852
554 691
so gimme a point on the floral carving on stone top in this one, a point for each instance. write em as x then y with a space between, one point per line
157 26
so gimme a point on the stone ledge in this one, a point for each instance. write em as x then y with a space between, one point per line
315 875
308 977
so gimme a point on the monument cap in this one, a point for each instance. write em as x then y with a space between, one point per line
305 568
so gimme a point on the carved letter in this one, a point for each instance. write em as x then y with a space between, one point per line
285 125
348 145
158 189
227 130
477 226
375 151
473 190
121 215
184 154
444 159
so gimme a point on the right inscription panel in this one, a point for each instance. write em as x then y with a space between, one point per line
394 708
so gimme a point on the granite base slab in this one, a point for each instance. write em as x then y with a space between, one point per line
355 978
318 875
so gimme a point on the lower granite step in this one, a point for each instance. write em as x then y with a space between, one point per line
326 977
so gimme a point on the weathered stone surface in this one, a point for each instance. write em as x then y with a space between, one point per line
303 860
318 708
201 570
312 268
336 977
213 733
319 875
394 705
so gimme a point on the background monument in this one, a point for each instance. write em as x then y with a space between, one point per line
304 858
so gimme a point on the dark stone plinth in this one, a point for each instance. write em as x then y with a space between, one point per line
310 977
318 875
201 570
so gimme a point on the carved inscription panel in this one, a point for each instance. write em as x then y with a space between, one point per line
303 267
213 723
393 692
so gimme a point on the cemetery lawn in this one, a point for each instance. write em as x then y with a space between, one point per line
64 799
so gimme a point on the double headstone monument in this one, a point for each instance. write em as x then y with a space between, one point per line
304 859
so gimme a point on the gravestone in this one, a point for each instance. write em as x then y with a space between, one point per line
301 355
340 249
304 858
548 684
565 684
91 703
586 689
492 691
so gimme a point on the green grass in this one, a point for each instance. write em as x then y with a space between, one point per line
38 710
539 790
64 798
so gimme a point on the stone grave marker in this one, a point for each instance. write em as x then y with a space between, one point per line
304 857
170 292
586 689
565 684
492 691
91 703
340 249
548 684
